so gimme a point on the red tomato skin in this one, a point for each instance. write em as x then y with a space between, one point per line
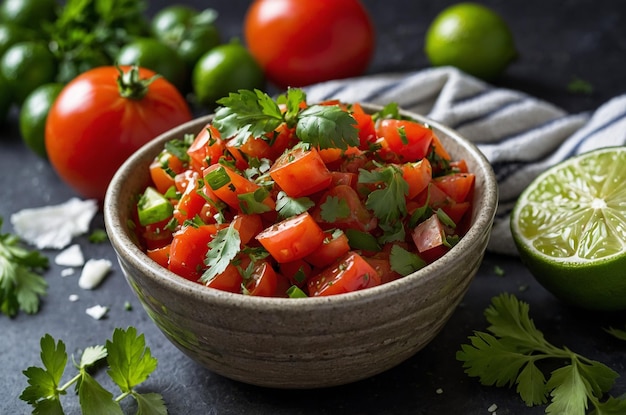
299 43
301 172
415 143
456 185
264 280
229 280
91 130
293 238
188 250
350 273
329 251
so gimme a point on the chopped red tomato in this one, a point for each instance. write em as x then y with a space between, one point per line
408 139
188 250
293 238
300 172
350 273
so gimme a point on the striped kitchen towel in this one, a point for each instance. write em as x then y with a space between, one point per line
519 134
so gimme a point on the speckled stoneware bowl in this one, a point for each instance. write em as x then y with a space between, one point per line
309 342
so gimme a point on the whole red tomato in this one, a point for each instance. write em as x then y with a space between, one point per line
300 42
103 116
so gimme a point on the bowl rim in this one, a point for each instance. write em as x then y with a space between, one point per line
124 246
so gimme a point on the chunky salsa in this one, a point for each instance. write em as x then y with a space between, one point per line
280 198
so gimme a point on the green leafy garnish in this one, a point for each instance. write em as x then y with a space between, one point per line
388 202
21 285
98 236
252 202
130 364
178 147
289 206
334 208
222 250
580 86
509 353
404 262
246 114
617 333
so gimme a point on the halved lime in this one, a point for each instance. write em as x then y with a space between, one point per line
569 226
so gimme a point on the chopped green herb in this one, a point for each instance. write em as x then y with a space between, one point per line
389 202
21 286
404 262
295 292
288 206
98 236
130 363
362 240
617 333
510 353
222 250
217 178
253 202
498 270
334 208
580 86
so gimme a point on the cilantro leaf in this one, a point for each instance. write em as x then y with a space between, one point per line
334 208
292 101
130 361
246 114
20 285
389 201
327 126
289 206
94 398
150 404
222 249
404 262
617 333
510 353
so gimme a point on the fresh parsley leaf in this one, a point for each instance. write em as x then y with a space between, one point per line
389 201
510 353
222 249
292 101
246 114
252 202
391 110
289 206
327 126
178 148
130 363
20 284
404 262
617 333
334 208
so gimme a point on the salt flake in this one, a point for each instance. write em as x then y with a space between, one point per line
66 272
97 312
54 226
93 273
70 257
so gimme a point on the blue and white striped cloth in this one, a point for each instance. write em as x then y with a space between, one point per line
519 134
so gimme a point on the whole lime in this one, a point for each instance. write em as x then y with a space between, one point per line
26 66
225 68
471 37
569 226
33 115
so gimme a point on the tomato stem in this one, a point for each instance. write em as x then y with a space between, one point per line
131 86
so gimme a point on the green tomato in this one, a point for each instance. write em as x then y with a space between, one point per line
33 116
10 34
26 66
153 54
224 69
32 14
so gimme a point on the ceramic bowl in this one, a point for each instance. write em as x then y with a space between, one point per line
309 342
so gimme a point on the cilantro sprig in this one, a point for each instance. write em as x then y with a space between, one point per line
21 285
388 202
246 114
509 355
130 364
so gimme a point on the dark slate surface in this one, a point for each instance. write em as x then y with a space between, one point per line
558 41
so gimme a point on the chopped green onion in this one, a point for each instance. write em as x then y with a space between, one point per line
295 292
217 178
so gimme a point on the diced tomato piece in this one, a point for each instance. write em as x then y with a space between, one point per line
282 286
459 166
439 149
300 172
355 215
188 250
248 226
155 235
229 280
365 125
206 149
429 237
417 175
350 273
335 245
234 186
408 139
160 255
293 238
297 271
162 168
263 281
340 177
456 185
383 267
438 199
